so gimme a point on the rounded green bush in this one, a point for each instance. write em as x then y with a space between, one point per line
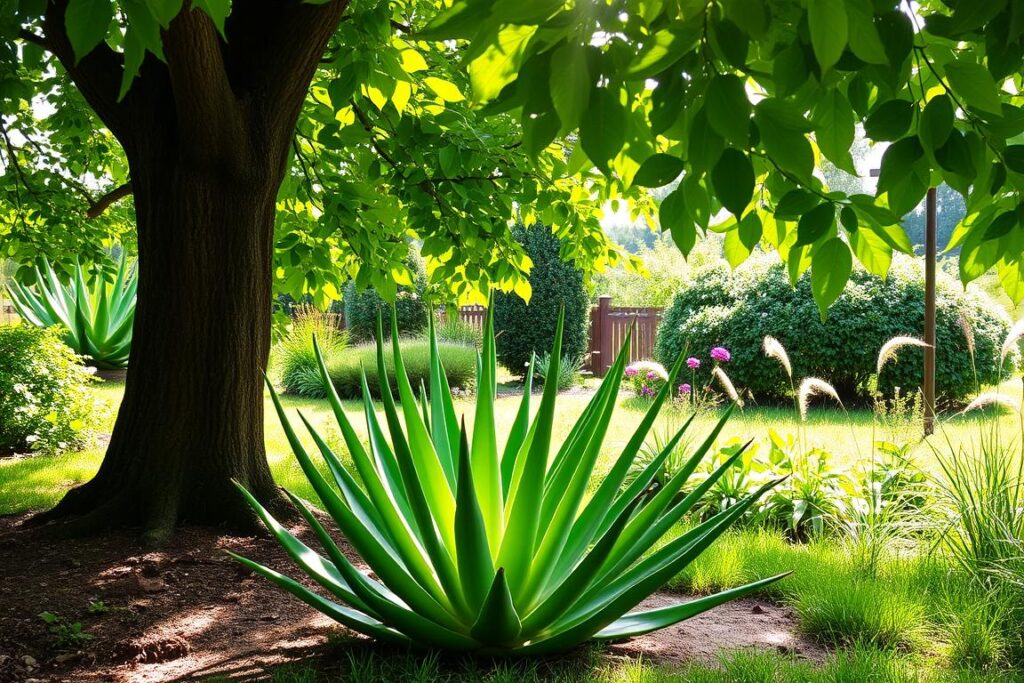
459 361
43 399
522 329
363 306
737 309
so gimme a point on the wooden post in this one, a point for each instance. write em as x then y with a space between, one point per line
604 331
930 249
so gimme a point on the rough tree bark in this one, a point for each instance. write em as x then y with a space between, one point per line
206 135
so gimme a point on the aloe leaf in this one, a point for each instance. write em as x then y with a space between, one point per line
526 496
517 434
387 463
563 595
486 468
351 618
323 572
443 423
498 623
434 630
644 622
597 515
372 545
476 569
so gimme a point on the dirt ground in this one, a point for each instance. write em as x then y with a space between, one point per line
189 612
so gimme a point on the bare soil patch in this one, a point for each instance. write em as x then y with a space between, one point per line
189 612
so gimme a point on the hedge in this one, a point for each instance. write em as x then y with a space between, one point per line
736 309
362 306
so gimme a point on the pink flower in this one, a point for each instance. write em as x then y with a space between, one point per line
693 363
684 389
652 375
631 372
646 390
721 354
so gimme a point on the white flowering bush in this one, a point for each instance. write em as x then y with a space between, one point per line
43 399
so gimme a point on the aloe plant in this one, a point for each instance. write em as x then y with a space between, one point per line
473 547
97 315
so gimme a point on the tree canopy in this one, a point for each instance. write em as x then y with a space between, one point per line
446 123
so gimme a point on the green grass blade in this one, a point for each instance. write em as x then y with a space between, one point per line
444 429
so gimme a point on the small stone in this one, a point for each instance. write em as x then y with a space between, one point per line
66 657
270 617
757 609
152 585
30 661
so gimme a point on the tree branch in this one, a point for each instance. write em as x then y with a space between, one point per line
97 207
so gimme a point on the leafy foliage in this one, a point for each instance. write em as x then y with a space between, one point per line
473 548
362 308
568 371
738 309
527 328
43 397
293 356
741 97
96 312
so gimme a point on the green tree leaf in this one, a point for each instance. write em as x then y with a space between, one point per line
831 266
974 84
829 29
499 63
87 22
863 35
603 128
834 129
936 122
890 120
674 217
1013 156
728 109
733 181
658 170
570 84
815 223
898 161
663 49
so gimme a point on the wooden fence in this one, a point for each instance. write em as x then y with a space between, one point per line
608 327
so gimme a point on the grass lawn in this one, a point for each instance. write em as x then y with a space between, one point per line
38 482
907 617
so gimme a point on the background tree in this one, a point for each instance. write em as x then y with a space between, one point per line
525 328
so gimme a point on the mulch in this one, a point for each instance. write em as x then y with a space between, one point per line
188 612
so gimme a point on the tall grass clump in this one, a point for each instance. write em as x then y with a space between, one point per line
459 361
294 359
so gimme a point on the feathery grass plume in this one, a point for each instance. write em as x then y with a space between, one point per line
727 386
992 398
774 349
968 330
812 386
889 349
1016 332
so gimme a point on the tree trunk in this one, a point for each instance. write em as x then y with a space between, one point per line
207 132
192 416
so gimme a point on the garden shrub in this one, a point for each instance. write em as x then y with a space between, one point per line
294 359
43 399
459 361
568 371
522 329
362 306
737 309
